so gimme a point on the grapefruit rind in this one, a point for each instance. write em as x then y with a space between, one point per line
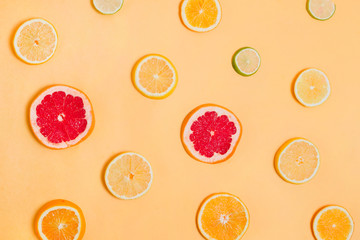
313 15
193 115
141 89
282 150
109 187
237 68
98 8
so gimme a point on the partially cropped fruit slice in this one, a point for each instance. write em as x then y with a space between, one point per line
35 41
223 216
333 223
60 220
201 15
154 76
108 6
128 176
321 9
297 160
211 133
246 61
312 87
61 116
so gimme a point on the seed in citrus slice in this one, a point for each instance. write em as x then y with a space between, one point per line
154 76
246 61
201 15
108 6
61 116
333 223
128 176
321 9
223 216
60 220
312 87
35 41
297 161
211 133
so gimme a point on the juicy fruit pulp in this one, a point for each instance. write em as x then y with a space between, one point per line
321 9
128 176
246 61
223 217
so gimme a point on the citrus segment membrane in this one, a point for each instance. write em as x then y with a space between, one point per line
223 217
211 133
246 61
201 15
108 6
321 9
35 41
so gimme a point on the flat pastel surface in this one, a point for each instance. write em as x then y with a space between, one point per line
96 54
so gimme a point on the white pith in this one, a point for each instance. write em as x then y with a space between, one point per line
67 90
257 67
16 47
113 162
100 6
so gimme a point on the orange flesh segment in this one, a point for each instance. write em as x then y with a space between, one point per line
247 61
156 76
129 176
313 87
299 161
60 224
334 224
224 218
36 41
201 13
322 9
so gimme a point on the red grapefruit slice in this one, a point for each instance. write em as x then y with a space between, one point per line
61 117
211 133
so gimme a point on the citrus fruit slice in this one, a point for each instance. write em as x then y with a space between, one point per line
246 61
312 88
60 220
35 41
154 76
108 6
128 176
321 9
223 216
61 116
211 133
297 160
201 15
333 223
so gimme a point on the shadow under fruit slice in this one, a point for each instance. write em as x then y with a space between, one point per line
61 116
211 133
333 223
60 220
223 216
128 176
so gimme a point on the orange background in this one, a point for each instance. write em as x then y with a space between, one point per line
96 54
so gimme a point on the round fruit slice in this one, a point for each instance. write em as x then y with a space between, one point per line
223 216
246 61
297 161
333 223
321 9
312 88
35 41
128 176
60 220
154 76
201 15
61 116
108 6
211 133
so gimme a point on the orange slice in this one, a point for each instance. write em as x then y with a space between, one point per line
61 116
35 41
128 176
60 220
297 161
201 15
223 216
312 88
321 9
154 76
333 223
211 133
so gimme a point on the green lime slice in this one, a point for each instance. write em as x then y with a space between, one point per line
321 9
246 61
108 6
